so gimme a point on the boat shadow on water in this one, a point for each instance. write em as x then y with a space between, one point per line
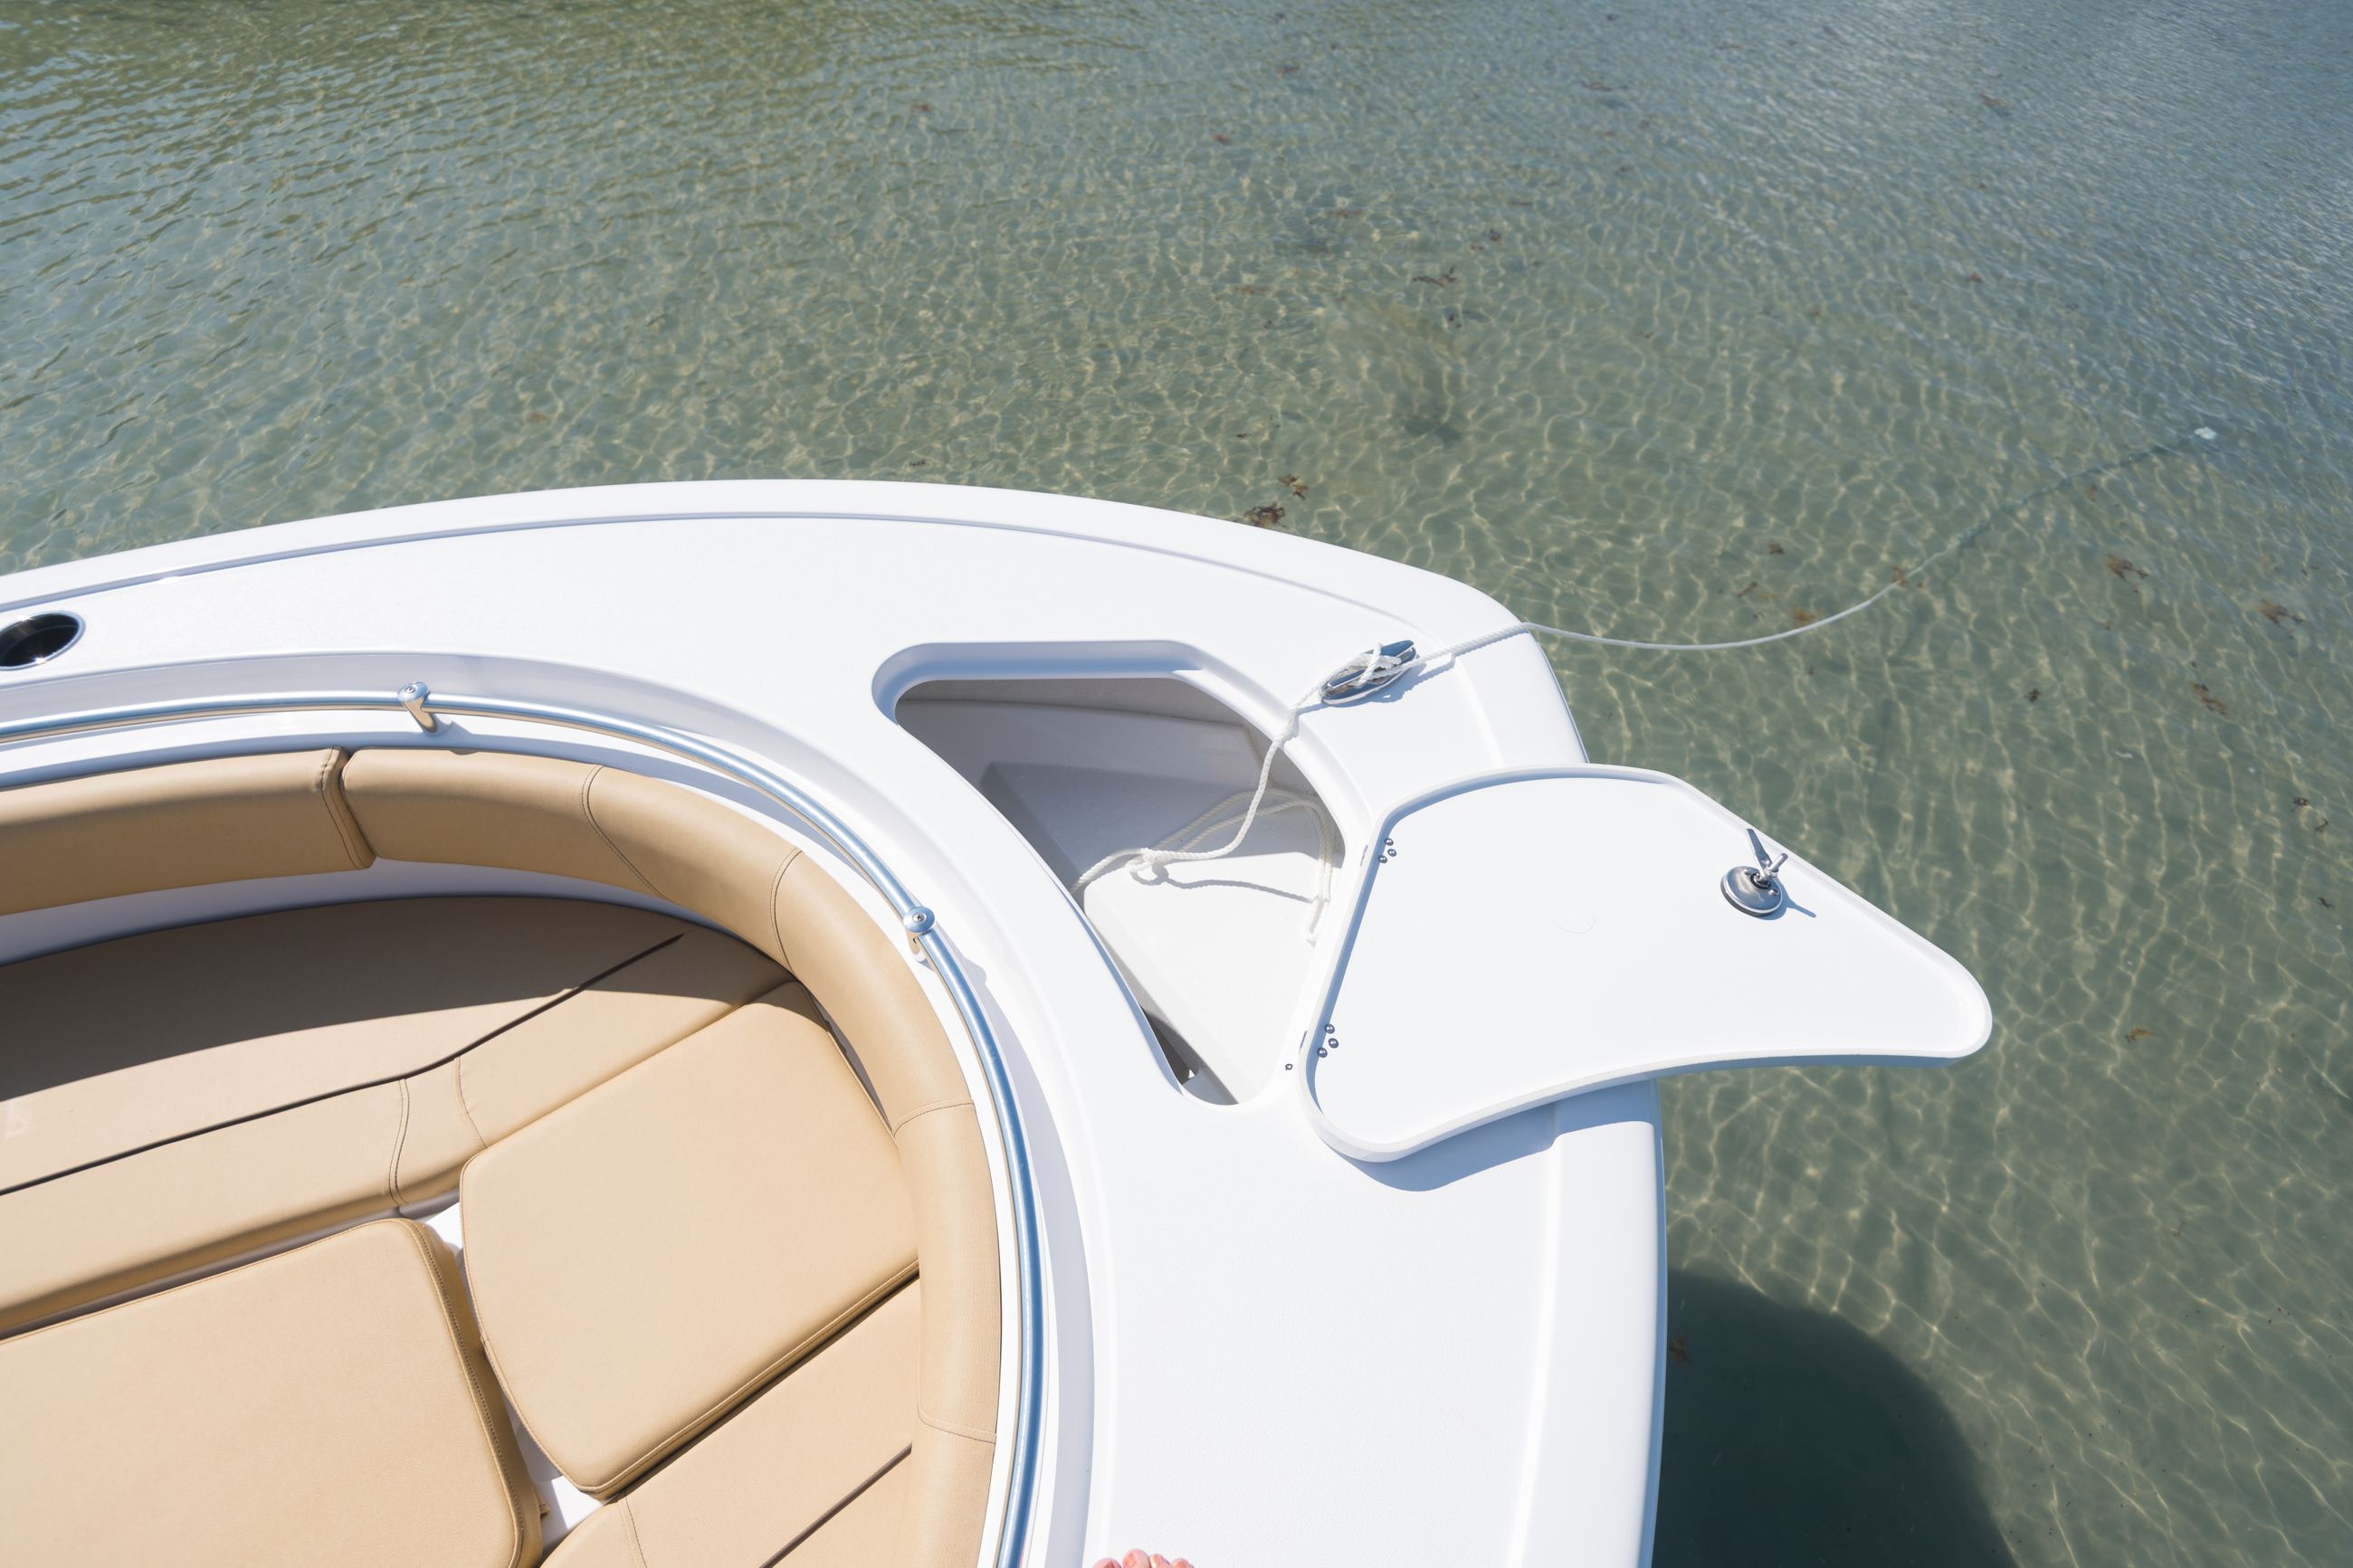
1793 1438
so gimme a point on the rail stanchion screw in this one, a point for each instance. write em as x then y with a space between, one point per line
412 696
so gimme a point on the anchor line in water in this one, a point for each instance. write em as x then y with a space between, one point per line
1367 672
1905 577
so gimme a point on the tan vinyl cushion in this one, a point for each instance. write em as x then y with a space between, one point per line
230 819
540 813
648 1255
327 1405
194 1202
573 819
223 820
783 1473
599 824
124 1043
552 1057
863 1534
70 1239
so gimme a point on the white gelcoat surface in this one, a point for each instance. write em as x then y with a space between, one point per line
1221 949
1532 938
1259 1351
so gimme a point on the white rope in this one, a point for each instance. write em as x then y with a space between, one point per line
1372 665
1153 857
1222 814
1375 668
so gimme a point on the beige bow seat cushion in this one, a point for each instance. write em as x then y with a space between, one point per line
172 1100
650 1255
329 1404
811 1474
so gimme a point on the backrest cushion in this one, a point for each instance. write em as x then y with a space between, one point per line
185 825
647 1257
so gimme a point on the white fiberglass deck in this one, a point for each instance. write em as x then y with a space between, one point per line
1258 1349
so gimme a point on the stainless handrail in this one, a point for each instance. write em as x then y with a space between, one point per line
919 922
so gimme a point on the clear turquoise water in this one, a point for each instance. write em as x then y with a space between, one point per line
1782 295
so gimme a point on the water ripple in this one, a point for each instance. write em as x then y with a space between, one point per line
1675 320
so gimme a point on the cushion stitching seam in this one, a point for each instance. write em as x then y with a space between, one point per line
588 811
490 1354
465 1109
799 1349
323 787
776 905
923 1111
954 1429
483 1414
630 1522
399 1141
